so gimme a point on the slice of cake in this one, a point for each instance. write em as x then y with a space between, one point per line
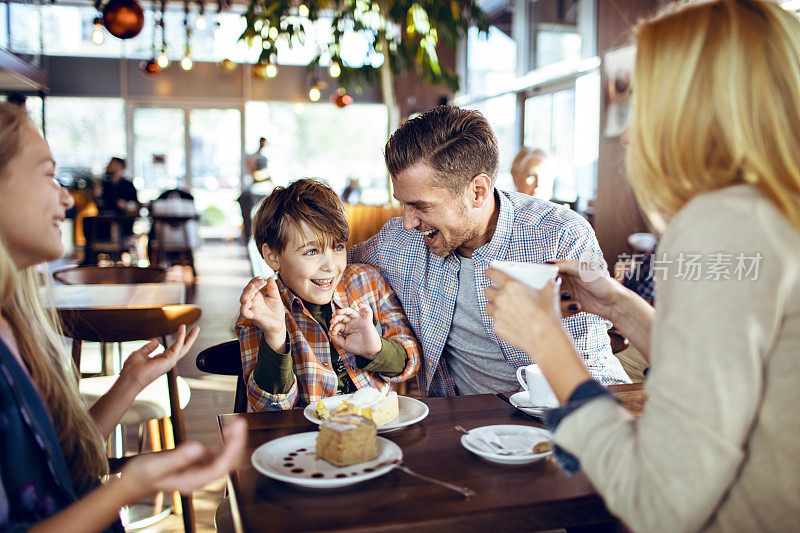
381 408
347 439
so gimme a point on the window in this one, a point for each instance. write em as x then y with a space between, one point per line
159 150
26 28
502 116
491 62
84 133
322 141
555 34
4 25
564 122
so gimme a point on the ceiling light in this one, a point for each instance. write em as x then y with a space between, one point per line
200 23
271 70
163 60
97 34
302 10
335 70
186 63
313 94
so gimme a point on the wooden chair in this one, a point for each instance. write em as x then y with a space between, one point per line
95 275
366 220
225 359
130 324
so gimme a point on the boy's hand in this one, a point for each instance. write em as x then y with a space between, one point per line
266 313
354 332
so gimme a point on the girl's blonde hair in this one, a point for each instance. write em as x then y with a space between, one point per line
715 103
37 332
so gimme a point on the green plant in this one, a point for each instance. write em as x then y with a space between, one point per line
406 33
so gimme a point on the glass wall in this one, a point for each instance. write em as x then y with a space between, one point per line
159 150
84 133
216 164
322 141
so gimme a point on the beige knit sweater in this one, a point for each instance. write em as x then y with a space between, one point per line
718 446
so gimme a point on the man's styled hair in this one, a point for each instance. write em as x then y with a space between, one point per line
305 200
457 144
121 161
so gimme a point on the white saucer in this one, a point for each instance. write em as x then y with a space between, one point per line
411 412
530 435
293 459
522 401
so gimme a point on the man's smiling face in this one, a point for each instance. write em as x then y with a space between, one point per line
446 221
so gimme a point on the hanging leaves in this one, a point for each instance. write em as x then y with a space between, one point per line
412 31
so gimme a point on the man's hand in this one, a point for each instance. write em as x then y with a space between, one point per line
142 369
267 313
354 332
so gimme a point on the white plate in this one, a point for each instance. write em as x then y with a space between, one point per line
411 411
527 434
293 459
522 401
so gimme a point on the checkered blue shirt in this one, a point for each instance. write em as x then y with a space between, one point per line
528 229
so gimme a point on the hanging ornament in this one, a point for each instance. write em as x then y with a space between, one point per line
123 18
259 71
227 65
150 67
153 66
341 98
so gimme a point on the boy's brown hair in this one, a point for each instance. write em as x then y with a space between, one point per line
457 144
305 200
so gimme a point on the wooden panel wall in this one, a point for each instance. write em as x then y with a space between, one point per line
616 212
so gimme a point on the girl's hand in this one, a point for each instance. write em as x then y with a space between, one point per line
354 332
595 292
186 468
267 313
522 315
142 368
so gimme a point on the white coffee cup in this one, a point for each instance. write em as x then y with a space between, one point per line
539 391
533 274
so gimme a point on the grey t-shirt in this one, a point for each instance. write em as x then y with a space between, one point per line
474 359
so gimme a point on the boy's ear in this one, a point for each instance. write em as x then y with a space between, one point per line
273 260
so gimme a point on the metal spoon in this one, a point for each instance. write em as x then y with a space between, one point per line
498 448
464 491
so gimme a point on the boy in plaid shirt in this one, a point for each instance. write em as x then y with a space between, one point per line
323 327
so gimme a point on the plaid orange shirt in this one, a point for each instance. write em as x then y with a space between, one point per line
315 378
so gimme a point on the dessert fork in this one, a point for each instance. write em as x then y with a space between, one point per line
398 464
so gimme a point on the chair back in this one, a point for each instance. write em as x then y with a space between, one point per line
96 275
367 220
225 359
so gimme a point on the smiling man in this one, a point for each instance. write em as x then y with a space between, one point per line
443 166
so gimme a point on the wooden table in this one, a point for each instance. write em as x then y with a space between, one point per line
117 295
519 498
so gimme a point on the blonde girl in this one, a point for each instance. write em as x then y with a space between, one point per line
52 459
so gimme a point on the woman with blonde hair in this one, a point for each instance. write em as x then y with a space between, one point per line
714 151
52 459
